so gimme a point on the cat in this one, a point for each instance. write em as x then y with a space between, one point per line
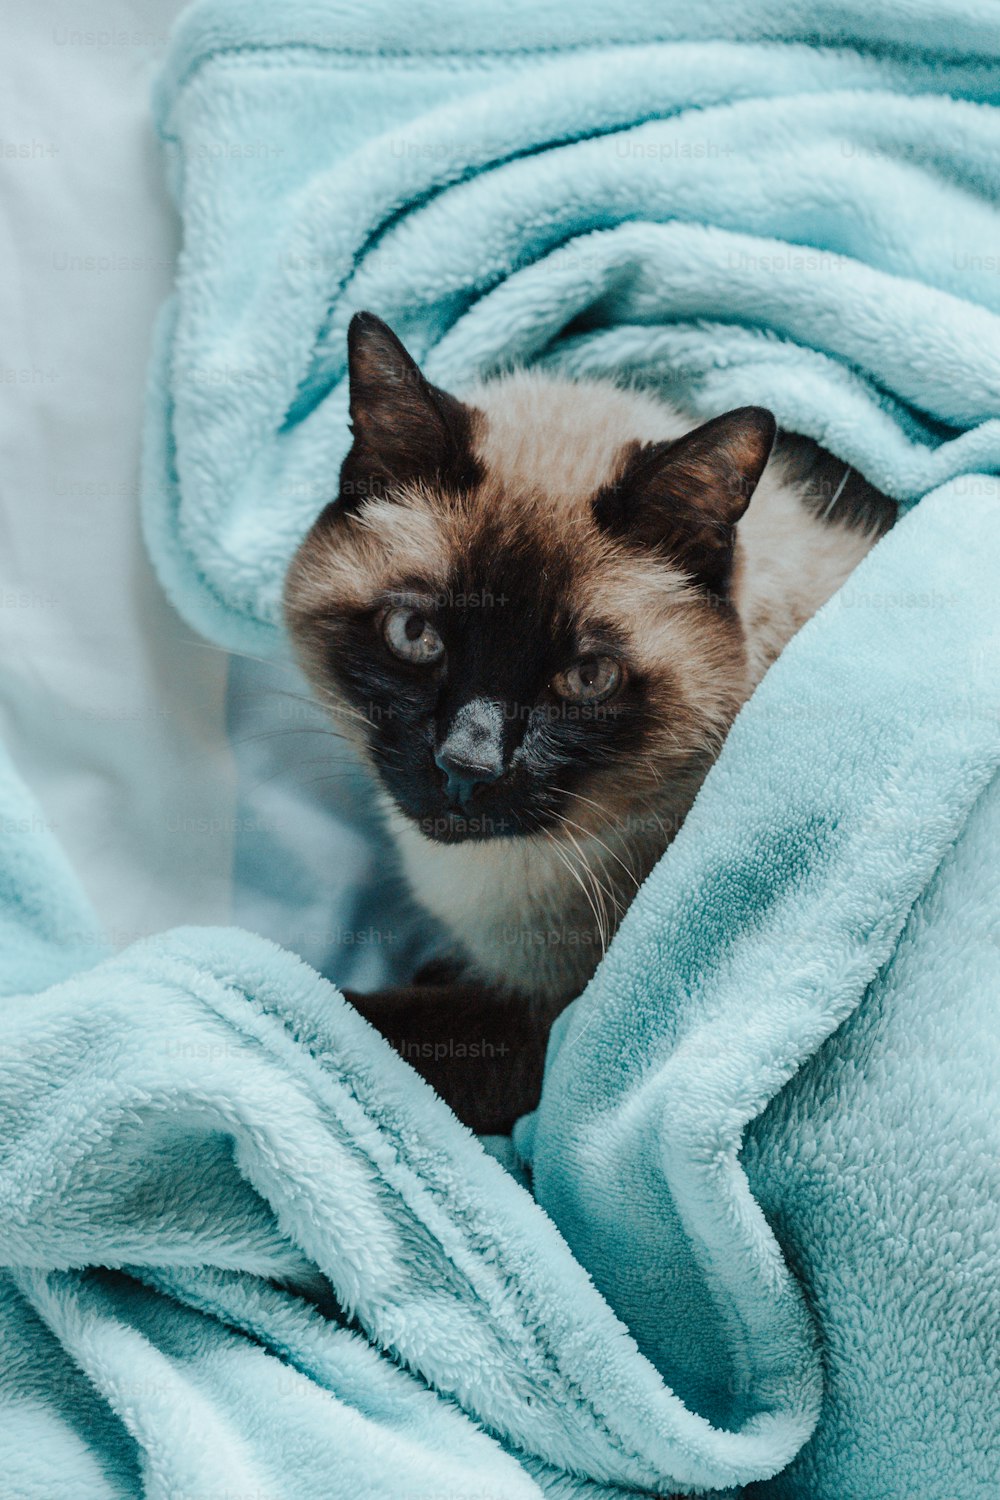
536 609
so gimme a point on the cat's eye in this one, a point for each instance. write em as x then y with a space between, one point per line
593 679
411 636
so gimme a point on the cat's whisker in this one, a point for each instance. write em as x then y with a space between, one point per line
601 892
579 797
654 813
613 824
562 855
274 734
344 773
329 730
603 812
267 661
608 894
589 833
336 776
337 709
323 708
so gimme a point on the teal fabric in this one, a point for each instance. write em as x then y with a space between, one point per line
245 1250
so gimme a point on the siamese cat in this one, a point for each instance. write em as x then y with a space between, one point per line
536 608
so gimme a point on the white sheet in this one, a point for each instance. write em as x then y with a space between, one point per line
111 709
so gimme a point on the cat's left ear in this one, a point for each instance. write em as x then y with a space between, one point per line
684 498
405 429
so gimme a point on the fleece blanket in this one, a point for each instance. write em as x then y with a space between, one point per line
748 1243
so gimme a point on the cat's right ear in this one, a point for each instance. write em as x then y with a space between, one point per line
405 429
684 498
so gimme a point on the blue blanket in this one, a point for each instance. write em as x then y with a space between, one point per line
246 1251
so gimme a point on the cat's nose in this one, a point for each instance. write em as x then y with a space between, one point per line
471 753
462 777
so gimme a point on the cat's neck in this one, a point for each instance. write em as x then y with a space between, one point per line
535 914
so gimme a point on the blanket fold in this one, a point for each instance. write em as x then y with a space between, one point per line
228 1112
245 1250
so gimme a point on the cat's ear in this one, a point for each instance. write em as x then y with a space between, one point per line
405 429
684 498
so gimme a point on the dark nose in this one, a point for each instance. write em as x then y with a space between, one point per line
471 753
462 777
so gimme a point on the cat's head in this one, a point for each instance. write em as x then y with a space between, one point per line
519 605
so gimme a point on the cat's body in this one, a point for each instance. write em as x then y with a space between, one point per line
537 612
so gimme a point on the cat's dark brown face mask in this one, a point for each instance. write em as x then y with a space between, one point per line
510 656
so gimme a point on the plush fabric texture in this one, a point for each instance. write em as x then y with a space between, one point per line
245 1250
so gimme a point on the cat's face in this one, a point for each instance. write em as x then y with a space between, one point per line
520 651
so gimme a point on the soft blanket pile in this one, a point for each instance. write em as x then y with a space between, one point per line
247 1252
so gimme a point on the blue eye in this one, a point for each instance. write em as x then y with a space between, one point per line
410 636
593 679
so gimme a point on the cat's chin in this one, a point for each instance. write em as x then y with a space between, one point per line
490 820
450 827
